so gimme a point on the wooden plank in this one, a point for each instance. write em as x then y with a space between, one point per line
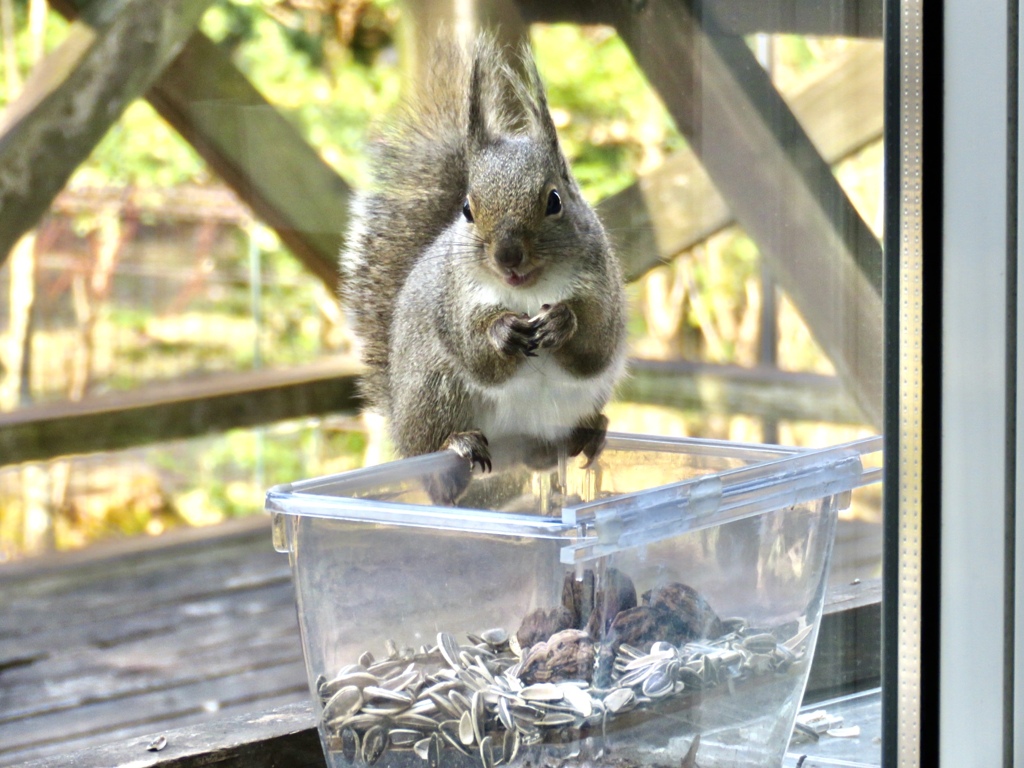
677 206
261 739
251 146
781 190
177 410
136 636
848 653
851 18
76 94
153 710
731 390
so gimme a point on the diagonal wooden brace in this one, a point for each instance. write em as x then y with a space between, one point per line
76 94
778 186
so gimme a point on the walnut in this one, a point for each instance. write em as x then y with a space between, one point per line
692 617
566 655
616 594
578 596
542 624
675 613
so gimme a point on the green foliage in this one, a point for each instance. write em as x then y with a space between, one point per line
328 93
607 114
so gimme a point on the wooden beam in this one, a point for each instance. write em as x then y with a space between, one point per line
176 411
677 206
780 189
76 93
244 399
250 145
732 390
851 18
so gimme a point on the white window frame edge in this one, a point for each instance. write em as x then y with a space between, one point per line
974 703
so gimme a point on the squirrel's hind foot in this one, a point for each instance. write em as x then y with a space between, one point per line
589 438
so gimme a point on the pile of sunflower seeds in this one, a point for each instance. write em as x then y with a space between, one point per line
468 696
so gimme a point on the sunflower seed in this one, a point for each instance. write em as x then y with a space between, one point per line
360 679
375 743
422 747
578 699
434 751
449 649
495 637
487 752
660 683
541 692
555 719
459 701
619 700
504 714
375 692
449 729
349 744
764 642
413 720
404 681
467 734
445 704
796 640
404 737
510 749
360 721
345 702
478 715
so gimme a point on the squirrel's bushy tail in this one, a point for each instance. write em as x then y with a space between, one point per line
419 179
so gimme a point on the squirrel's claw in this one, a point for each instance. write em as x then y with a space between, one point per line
471 446
554 325
513 335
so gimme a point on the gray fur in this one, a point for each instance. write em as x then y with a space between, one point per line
449 328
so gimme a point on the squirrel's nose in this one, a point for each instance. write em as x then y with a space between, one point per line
509 256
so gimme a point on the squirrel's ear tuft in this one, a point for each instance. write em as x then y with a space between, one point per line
478 124
540 113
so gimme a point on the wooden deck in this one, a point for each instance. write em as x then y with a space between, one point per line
151 635
193 635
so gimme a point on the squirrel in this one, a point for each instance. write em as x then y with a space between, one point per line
487 297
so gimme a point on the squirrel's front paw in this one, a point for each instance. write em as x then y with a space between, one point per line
513 335
553 326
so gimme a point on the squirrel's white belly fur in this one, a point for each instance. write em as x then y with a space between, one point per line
542 399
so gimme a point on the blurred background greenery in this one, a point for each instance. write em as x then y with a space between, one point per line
149 269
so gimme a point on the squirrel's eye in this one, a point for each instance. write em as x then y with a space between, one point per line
554 203
467 211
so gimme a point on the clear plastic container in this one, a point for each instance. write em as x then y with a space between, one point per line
659 606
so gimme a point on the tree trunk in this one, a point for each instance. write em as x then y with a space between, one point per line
11 72
15 386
